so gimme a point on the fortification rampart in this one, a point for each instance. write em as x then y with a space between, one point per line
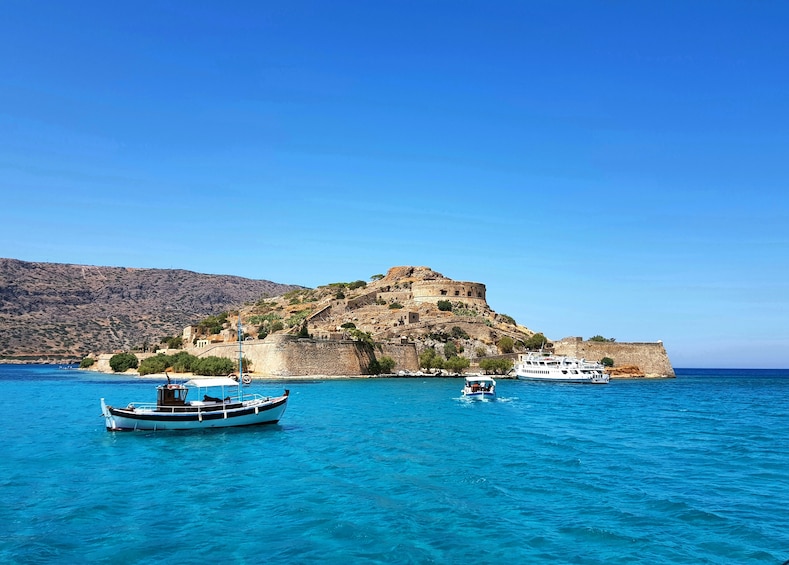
651 358
446 289
286 356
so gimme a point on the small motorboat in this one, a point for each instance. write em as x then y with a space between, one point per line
479 387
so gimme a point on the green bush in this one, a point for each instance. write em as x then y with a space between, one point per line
450 349
444 305
429 359
601 338
122 362
456 364
395 306
182 362
153 365
348 325
607 362
212 324
213 366
498 366
506 344
386 364
87 362
536 341
459 333
508 319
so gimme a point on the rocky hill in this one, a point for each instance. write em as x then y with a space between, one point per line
414 304
59 312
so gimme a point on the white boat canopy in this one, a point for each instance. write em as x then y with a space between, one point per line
211 381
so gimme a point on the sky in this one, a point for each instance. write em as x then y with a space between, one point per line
604 167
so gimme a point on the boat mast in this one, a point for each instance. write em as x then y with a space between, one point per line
240 359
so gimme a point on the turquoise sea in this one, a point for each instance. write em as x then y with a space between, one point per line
687 470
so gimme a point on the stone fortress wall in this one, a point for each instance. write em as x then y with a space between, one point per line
445 289
651 358
283 355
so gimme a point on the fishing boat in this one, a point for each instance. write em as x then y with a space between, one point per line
479 388
217 402
558 368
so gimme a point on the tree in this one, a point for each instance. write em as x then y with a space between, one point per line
444 305
387 364
607 362
456 364
429 359
303 332
86 362
450 349
122 362
498 366
153 365
376 277
506 344
213 366
536 341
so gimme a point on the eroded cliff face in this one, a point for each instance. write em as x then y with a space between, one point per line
631 360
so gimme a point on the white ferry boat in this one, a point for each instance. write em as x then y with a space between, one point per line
557 368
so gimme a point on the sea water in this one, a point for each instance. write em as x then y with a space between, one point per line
687 470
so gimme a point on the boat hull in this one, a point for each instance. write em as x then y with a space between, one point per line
480 395
579 379
254 413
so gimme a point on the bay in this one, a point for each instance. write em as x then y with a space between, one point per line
687 470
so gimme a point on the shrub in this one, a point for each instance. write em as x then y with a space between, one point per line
498 366
450 349
536 341
459 333
395 306
182 362
122 362
386 364
213 366
348 325
152 365
506 344
212 324
601 338
277 326
429 359
607 362
508 319
456 364
356 284
87 362
444 305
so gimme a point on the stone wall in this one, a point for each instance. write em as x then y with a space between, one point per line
446 289
651 358
404 354
286 356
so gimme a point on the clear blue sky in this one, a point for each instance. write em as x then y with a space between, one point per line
604 167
